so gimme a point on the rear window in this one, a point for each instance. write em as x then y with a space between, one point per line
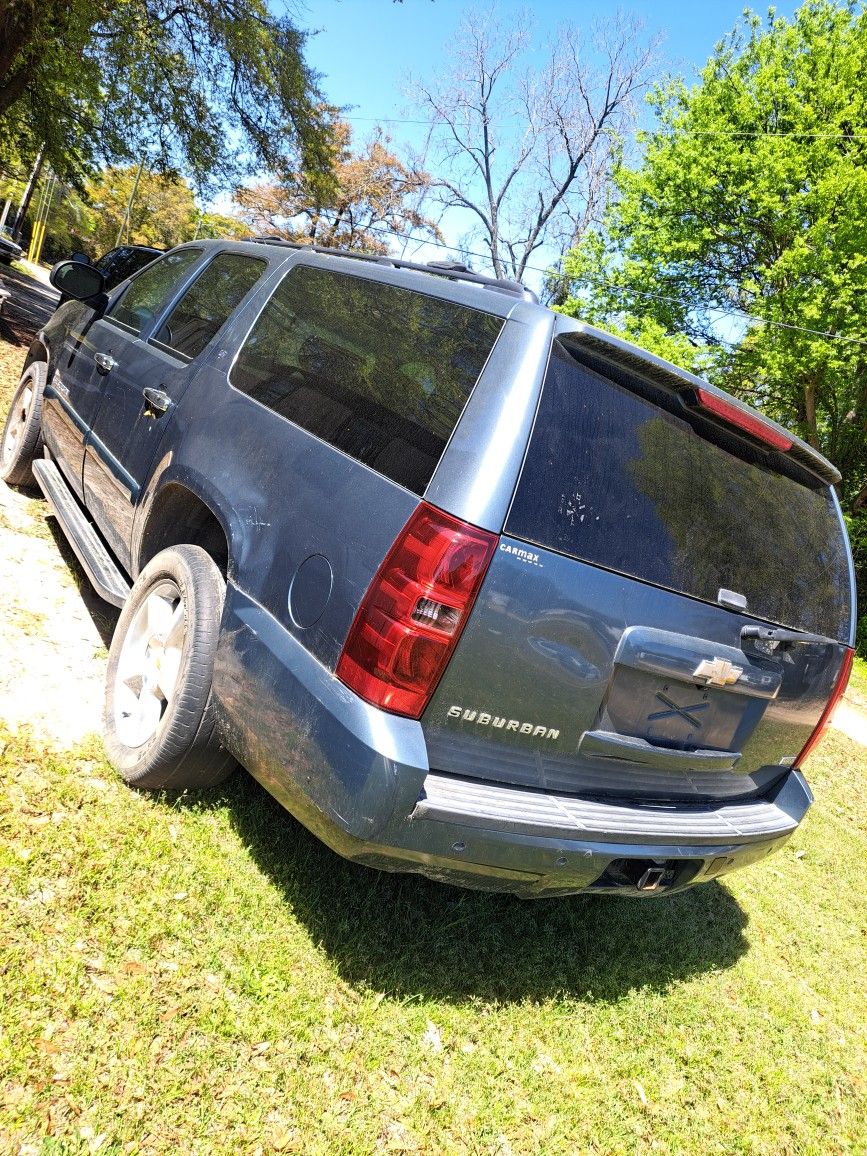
379 372
613 479
119 264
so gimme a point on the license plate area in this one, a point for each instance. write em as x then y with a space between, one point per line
657 694
668 713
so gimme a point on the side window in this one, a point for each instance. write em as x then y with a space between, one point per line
122 263
379 372
143 298
208 303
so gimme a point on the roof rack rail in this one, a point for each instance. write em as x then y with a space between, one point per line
452 270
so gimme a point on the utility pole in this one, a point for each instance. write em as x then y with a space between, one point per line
38 237
18 223
124 225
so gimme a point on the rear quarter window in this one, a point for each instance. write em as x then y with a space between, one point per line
613 479
380 372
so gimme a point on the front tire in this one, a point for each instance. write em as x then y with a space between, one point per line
160 719
21 443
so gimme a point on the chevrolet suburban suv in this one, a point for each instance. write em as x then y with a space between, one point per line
475 590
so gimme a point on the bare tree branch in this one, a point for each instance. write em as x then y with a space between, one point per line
528 153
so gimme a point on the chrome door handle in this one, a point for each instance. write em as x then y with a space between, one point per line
158 400
105 363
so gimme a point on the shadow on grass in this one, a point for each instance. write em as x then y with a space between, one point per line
407 936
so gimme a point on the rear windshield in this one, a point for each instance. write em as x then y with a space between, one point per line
613 479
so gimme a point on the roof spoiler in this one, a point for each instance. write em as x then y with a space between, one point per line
625 355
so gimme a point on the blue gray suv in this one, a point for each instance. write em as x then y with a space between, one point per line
475 590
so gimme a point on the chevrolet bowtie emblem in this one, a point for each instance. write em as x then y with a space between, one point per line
719 672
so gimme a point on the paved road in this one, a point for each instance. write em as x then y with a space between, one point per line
29 306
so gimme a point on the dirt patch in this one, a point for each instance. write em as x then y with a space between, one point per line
54 630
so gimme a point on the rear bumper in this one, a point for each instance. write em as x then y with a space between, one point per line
359 779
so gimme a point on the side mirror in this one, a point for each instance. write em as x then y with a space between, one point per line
75 279
82 257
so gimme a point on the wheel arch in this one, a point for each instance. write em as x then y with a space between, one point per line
38 351
176 515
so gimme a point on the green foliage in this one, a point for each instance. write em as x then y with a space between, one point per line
163 211
753 196
856 524
212 86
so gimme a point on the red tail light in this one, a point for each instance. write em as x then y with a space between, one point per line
839 690
748 422
414 611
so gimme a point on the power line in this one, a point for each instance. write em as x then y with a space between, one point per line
734 133
738 314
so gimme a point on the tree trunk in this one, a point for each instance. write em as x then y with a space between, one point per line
810 415
28 195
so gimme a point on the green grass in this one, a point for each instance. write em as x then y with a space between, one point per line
857 690
201 975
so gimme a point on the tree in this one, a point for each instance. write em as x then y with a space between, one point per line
752 196
201 84
752 199
373 194
528 152
163 212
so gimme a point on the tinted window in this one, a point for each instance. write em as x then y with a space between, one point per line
207 304
119 264
379 372
143 298
613 479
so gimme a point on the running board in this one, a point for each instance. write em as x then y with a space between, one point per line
100 567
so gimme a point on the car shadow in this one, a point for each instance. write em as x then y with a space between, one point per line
409 937
103 615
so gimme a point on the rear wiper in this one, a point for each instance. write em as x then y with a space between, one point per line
775 634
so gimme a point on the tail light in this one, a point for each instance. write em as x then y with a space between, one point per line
750 423
414 611
839 689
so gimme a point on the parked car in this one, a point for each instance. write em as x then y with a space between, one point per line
474 589
118 264
10 250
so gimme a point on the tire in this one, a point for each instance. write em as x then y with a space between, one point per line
21 442
160 717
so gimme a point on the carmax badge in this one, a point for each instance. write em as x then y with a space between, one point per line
719 672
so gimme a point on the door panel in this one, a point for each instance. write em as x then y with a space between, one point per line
72 398
126 428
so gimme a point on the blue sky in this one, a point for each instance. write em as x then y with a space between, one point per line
363 47
365 50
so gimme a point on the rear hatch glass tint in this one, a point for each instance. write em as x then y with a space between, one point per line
631 480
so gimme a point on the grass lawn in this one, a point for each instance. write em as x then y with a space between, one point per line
200 975
857 690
